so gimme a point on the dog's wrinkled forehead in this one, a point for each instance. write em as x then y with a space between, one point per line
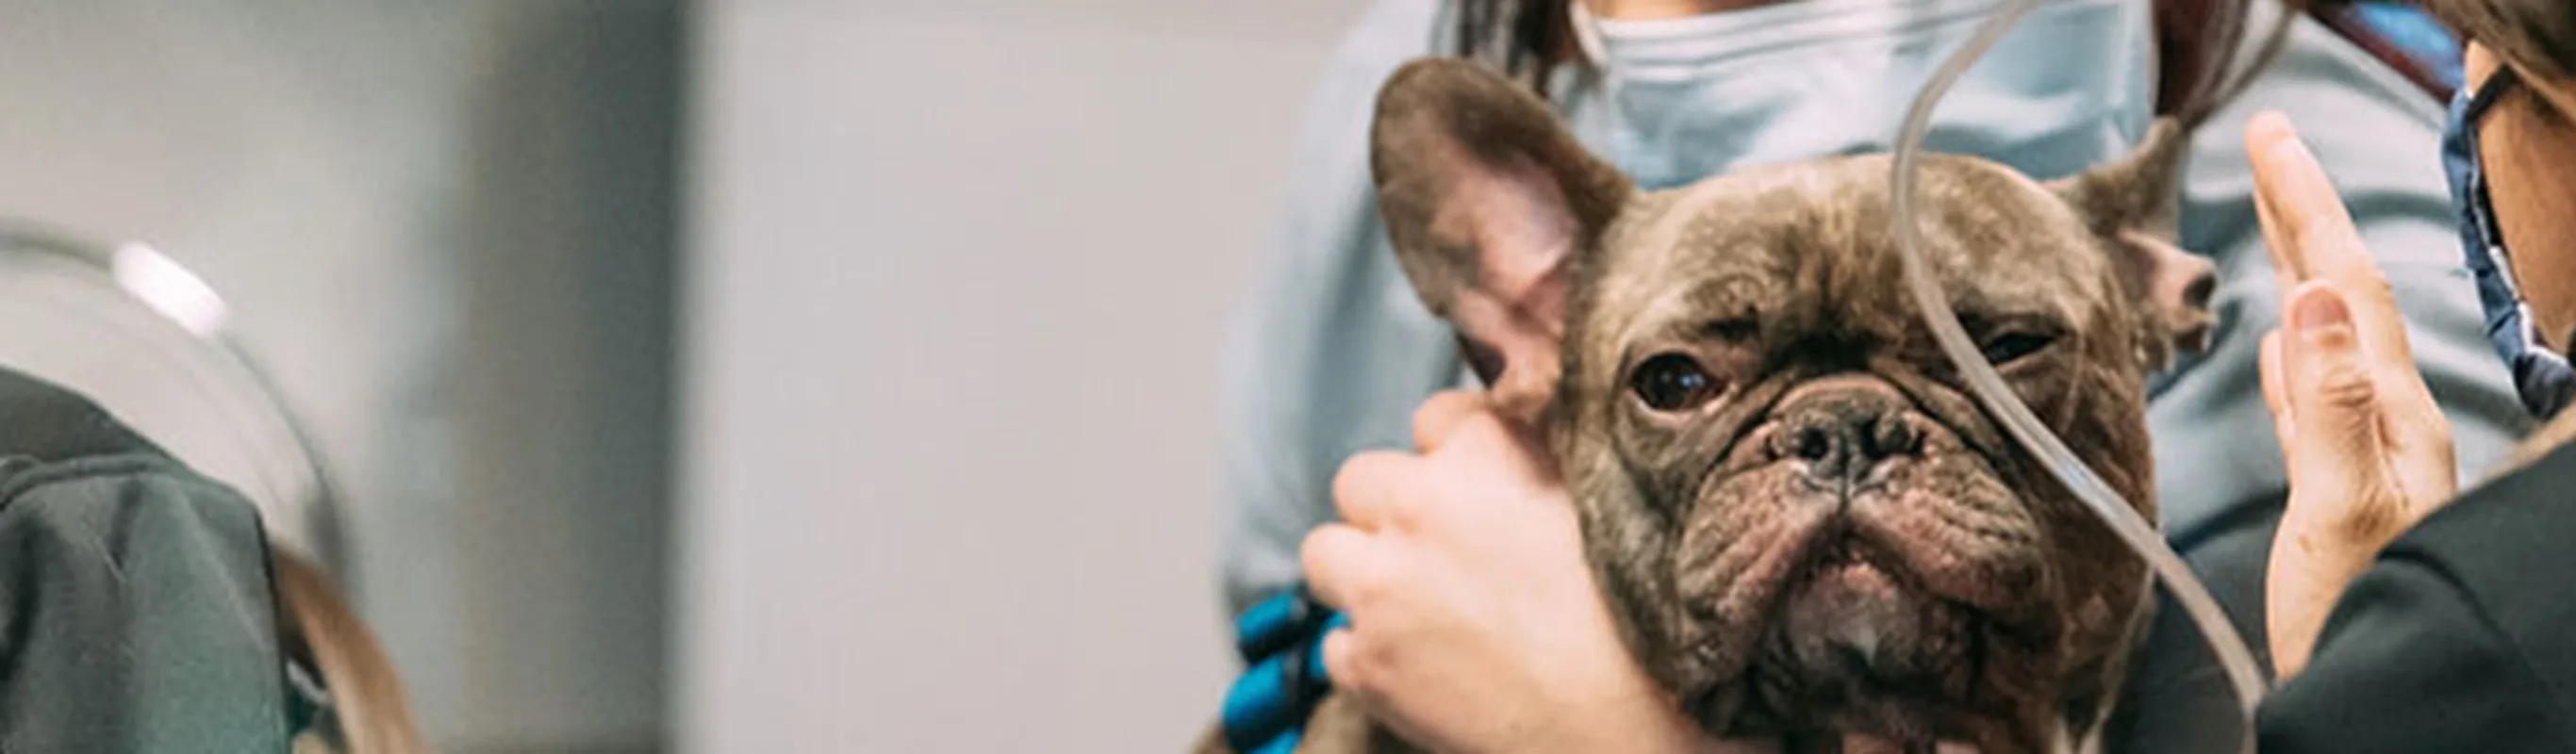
1806 249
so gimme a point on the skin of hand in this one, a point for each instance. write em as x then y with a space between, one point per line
2368 452
1475 624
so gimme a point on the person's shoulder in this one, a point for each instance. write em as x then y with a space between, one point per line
2413 660
1331 168
71 473
1387 34
2377 132
2354 111
2532 501
48 422
2329 72
108 508
116 559
2456 638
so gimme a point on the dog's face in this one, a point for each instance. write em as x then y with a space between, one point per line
1801 518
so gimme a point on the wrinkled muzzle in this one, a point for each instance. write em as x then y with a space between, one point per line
1851 547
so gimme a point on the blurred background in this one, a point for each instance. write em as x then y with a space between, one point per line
752 375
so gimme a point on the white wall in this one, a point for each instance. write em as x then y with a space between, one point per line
448 228
958 277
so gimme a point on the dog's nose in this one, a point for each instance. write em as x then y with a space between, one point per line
1840 440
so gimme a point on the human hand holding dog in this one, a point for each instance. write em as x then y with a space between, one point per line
1475 622
2368 452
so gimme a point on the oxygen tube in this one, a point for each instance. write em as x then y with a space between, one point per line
2234 657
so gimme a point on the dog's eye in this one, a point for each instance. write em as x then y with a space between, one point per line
2005 347
1671 382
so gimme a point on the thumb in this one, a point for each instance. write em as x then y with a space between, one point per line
2337 455
2342 496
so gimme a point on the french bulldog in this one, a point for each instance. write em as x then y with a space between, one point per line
1806 528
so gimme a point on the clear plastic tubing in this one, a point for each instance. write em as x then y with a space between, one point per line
2234 656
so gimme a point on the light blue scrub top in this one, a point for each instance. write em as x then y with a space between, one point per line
1334 352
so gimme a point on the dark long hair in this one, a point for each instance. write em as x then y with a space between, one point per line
1530 40
2536 35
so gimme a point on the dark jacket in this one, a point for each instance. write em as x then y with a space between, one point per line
2461 638
136 612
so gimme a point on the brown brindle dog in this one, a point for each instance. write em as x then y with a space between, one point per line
1806 528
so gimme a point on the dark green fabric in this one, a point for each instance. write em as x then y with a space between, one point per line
46 423
2461 638
2177 699
135 605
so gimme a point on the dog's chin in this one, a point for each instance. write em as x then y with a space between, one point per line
1855 646
1863 607
1869 627
1855 623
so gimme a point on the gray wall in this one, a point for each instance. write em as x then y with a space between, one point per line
448 228
958 277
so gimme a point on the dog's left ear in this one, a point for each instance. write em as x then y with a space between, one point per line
2133 205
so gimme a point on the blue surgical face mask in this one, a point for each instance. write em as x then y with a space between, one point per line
2544 379
1683 99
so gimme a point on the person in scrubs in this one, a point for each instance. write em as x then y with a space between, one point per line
1335 355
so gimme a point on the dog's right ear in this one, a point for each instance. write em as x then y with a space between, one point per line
1490 202
2134 205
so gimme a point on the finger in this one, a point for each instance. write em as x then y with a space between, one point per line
1362 678
1341 662
2308 215
1501 448
2338 456
2313 233
2275 394
2285 275
1440 416
1370 487
1343 565
2262 137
